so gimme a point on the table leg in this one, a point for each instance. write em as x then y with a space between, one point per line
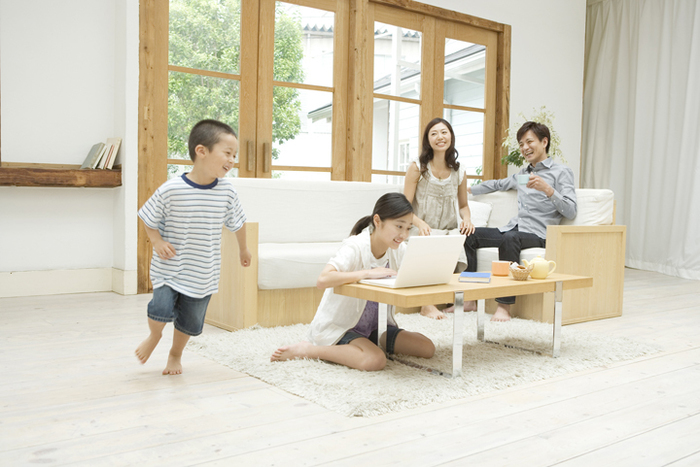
458 335
480 319
382 317
556 338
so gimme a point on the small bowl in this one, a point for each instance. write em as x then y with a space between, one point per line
520 273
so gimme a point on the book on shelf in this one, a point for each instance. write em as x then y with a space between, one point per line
102 155
93 156
479 277
114 149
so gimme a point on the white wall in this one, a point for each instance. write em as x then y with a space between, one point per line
69 79
547 52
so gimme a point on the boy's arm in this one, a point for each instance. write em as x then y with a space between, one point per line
243 251
164 249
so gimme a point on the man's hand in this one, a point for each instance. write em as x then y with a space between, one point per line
539 184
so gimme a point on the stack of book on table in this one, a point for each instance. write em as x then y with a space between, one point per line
102 155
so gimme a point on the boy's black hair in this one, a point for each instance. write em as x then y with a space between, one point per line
207 133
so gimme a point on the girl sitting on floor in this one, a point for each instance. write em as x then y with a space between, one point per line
344 329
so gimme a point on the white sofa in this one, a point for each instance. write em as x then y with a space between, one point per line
294 227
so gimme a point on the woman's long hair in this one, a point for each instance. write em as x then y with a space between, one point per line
427 155
388 206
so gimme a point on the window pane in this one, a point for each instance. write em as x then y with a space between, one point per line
302 127
303 45
464 73
397 61
392 179
192 98
469 138
395 134
205 34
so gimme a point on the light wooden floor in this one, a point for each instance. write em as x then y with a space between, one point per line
71 392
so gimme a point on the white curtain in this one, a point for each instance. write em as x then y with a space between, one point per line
641 126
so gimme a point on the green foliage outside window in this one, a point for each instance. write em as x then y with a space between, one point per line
205 35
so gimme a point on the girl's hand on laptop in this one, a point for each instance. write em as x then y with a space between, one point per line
380 273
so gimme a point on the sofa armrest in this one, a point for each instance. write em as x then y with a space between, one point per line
235 306
596 251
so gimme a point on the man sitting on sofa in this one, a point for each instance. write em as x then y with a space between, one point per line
543 198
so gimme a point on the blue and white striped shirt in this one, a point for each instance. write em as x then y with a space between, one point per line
190 217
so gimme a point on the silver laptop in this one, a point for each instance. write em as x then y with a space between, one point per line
427 261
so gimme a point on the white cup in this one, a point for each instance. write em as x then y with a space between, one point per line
523 179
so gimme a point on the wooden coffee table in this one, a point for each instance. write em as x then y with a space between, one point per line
457 292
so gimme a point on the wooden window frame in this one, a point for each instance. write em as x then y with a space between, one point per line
351 158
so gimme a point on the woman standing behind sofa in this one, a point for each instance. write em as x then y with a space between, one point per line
434 184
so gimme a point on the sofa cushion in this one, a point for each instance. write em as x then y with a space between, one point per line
485 256
292 265
288 211
480 213
593 207
504 206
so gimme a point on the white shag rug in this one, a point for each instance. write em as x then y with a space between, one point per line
486 367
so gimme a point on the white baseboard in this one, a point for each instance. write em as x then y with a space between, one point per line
124 282
54 282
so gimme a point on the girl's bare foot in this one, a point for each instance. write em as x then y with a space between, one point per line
174 366
431 311
470 305
502 313
291 352
145 349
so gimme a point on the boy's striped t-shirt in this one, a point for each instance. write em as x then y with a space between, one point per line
190 217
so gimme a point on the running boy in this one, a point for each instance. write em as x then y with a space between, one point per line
183 221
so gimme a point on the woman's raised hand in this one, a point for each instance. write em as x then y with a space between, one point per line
466 227
423 227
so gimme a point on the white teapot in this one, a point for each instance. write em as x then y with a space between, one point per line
541 268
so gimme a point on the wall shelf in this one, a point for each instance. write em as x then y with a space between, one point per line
57 175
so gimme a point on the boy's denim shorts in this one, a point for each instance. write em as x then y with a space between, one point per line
186 312
391 333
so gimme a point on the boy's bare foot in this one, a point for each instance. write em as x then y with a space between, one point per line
291 352
431 311
145 349
174 366
502 313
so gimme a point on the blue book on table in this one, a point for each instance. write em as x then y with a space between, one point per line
483 277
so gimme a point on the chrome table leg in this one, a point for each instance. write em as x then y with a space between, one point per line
556 338
458 335
480 318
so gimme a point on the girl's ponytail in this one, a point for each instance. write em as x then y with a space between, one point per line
361 225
